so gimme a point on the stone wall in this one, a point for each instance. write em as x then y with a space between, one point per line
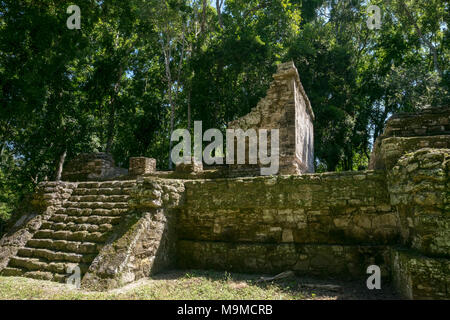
141 165
336 224
420 277
414 150
419 187
320 260
407 132
330 225
143 244
329 208
92 166
426 122
286 107
391 149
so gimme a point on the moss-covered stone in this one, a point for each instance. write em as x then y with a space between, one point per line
338 208
419 187
48 198
407 132
346 262
419 277
143 244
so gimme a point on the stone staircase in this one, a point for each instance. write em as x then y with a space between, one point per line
75 233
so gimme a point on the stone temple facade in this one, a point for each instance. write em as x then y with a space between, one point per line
336 224
286 107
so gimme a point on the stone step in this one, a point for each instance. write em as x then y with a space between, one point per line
57 226
50 276
11 272
103 191
107 184
65 246
99 220
75 234
99 198
82 236
55 256
71 211
37 264
96 205
39 275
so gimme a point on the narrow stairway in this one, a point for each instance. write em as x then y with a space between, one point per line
75 234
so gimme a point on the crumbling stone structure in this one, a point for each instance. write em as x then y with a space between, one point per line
327 224
186 168
408 132
419 188
141 165
286 107
92 166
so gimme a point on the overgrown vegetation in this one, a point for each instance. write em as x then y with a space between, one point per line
138 69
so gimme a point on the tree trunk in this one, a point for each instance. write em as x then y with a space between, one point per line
424 39
112 114
189 110
219 13
60 166
111 126
202 27
172 116
167 57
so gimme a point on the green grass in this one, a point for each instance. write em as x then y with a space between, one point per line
176 285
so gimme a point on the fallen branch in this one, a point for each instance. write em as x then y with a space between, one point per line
283 275
321 286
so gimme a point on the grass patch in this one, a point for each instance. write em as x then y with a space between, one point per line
176 285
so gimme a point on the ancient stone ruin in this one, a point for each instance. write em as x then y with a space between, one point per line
333 224
92 166
286 107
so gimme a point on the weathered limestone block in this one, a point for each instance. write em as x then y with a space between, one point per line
193 167
92 166
142 165
48 198
346 262
426 122
407 132
143 245
151 192
333 208
419 187
286 107
419 277
52 193
393 148
145 241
